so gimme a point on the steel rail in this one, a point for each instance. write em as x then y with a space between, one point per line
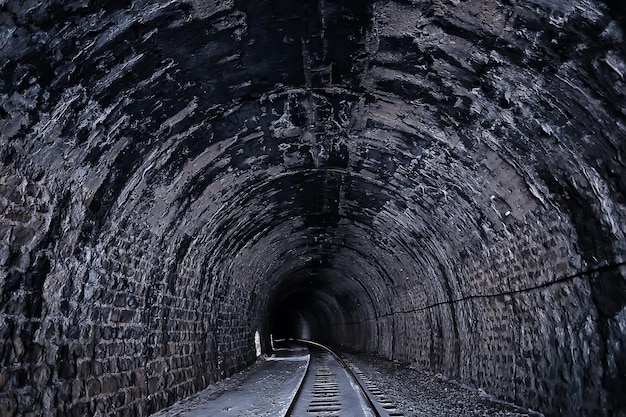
298 393
363 391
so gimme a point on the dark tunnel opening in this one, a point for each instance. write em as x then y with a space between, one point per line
299 315
321 305
303 308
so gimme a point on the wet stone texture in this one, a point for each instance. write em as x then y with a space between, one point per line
435 182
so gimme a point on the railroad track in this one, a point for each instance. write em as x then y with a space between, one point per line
332 387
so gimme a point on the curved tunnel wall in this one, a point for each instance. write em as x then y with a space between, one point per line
448 174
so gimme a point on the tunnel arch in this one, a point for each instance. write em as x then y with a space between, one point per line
170 173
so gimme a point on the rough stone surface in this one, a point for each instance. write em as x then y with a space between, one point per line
438 182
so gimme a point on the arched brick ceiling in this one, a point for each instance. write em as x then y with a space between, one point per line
441 180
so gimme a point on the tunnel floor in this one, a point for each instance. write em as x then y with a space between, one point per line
266 388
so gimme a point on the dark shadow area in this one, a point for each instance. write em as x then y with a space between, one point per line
319 305
304 312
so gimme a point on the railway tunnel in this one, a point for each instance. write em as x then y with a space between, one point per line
440 183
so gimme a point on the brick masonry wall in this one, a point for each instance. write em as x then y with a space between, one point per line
117 330
525 323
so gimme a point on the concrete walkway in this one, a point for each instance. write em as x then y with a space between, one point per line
265 389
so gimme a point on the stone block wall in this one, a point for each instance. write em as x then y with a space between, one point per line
527 324
115 329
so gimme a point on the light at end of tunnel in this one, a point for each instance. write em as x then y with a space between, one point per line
257 343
